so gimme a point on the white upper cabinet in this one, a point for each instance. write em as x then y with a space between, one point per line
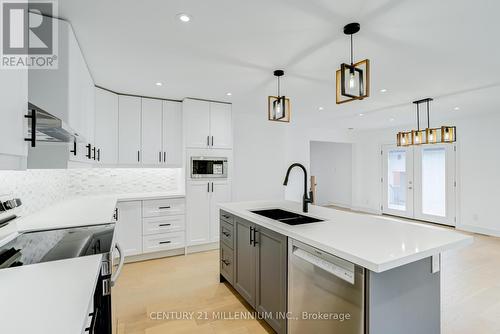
152 116
49 88
172 134
68 91
196 123
14 105
106 126
129 130
207 124
221 135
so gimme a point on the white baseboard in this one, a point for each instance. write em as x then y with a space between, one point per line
366 210
203 248
172 252
479 230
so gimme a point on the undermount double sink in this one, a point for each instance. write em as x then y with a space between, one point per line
287 217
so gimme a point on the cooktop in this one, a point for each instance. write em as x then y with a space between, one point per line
58 244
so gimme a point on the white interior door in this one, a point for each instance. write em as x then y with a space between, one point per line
435 183
397 181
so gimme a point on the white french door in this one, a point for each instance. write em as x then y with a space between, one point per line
419 182
398 181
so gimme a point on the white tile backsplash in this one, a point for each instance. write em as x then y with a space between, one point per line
40 188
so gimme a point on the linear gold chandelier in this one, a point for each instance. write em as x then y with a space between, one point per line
444 134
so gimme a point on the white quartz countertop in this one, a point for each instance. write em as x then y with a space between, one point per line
83 211
48 298
53 297
373 242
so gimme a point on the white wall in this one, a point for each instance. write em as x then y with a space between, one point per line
331 164
259 154
478 166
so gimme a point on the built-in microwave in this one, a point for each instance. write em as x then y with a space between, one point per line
208 167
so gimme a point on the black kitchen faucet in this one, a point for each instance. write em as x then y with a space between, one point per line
305 199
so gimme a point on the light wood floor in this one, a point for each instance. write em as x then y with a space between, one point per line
470 280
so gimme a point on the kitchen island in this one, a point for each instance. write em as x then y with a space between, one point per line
389 269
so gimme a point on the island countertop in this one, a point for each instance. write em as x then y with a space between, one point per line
376 243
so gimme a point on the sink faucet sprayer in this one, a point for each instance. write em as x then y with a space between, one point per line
305 200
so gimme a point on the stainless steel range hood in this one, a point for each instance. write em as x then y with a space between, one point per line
48 128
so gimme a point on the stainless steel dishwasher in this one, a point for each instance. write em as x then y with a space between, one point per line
325 293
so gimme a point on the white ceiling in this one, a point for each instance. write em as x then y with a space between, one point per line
445 49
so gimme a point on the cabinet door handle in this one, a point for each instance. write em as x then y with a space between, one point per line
165 157
116 214
208 140
225 216
165 242
98 154
164 207
227 234
89 151
212 187
32 138
74 148
159 156
251 235
138 156
208 187
93 153
212 141
164 224
255 237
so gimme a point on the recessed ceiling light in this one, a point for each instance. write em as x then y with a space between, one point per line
456 108
383 90
391 119
183 17
229 94
361 115
159 84
321 108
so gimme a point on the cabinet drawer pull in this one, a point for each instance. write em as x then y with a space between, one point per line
164 207
226 262
164 242
226 234
164 224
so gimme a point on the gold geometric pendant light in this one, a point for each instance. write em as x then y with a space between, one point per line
352 80
444 134
278 107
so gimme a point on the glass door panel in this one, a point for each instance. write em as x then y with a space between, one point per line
435 183
397 181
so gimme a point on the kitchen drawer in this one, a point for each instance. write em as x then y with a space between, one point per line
164 241
227 217
226 263
226 233
157 225
163 207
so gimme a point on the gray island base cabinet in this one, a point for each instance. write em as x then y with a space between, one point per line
254 260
